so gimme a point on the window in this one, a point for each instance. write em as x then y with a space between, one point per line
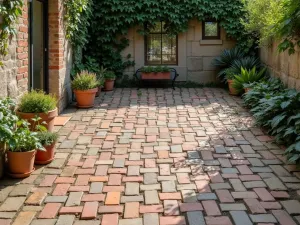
210 30
160 48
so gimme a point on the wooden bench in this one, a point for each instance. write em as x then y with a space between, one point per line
173 76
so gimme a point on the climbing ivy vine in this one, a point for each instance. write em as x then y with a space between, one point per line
111 19
10 10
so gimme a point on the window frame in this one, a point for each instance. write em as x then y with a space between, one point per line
146 48
204 37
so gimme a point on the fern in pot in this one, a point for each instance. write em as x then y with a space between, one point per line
38 103
85 86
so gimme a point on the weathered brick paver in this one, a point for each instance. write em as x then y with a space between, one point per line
165 157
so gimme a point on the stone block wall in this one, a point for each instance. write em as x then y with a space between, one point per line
282 65
14 72
194 54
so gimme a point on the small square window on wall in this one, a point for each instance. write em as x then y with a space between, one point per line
211 30
160 47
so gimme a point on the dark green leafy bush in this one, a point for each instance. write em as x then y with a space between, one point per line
278 110
155 69
110 75
37 102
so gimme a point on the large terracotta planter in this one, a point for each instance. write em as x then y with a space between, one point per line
45 157
109 84
156 76
45 117
20 164
232 90
85 99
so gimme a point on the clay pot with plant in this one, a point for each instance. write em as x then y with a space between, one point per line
48 141
155 73
230 77
38 103
21 148
109 80
85 86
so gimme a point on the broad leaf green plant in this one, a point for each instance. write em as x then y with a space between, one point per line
247 77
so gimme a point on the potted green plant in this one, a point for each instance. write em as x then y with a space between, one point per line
109 80
85 86
48 141
229 77
8 120
155 73
21 148
101 80
38 103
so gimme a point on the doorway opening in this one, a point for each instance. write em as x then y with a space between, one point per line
38 48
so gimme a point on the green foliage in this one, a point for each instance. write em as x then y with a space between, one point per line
247 77
10 12
273 19
155 69
111 19
262 17
288 27
109 75
47 138
37 102
248 63
226 58
278 110
85 81
14 133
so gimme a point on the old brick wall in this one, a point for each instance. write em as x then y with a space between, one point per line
282 65
14 72
60 59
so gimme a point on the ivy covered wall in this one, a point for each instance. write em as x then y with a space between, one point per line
106 20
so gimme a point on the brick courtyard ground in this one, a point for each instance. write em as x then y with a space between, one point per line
190 156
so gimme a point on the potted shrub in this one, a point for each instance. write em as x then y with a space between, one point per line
48 141
247 77
38 103
230 76
109 80
155 73
8 120
101 80
85 87
21 149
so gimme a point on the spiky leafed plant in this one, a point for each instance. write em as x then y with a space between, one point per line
227 57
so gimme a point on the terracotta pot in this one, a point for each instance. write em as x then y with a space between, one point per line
99 91
109 84
232 90
85 99
247 89
45 117
156 76
45 157
21 163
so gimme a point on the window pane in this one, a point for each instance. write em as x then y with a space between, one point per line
154 48
211 29
169 49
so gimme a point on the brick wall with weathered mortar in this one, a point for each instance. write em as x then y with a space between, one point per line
282 65
14 72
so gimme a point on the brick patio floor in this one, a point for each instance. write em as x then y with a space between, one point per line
190 156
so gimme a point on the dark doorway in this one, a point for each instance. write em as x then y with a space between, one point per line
38 48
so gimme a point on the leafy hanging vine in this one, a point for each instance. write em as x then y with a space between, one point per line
111 19
10 10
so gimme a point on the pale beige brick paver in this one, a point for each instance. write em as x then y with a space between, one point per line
168 157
